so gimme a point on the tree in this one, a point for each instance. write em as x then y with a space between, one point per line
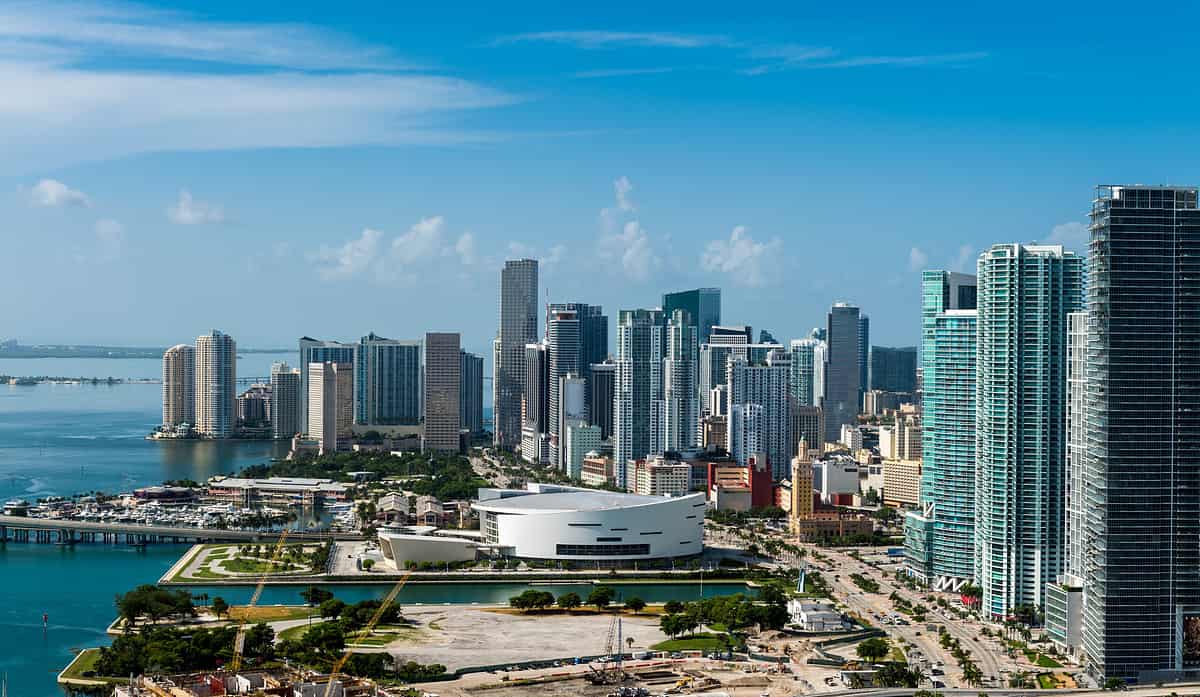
897 675
873 649
367 564
531 600
1114 684
629 642
219 606
635 604
314 595
328 638
669 624
673 607
569 601
260 641
601 597
332 608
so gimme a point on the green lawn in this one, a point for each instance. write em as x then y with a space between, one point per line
272 613
296 633
1046 682
1044 661
700 642
241 565
86 662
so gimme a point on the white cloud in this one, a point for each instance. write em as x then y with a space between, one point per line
747 262
623 188
917 259
619 72
190 211
53 193
631 250
1073 236
350 259
614 39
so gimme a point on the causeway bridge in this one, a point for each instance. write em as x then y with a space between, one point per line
58 531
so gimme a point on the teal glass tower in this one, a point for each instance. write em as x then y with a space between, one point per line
1025 293
939 537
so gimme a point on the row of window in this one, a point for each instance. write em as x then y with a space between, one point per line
601 550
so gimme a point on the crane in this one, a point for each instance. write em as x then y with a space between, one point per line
239 644
366 631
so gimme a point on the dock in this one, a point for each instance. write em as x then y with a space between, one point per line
69 532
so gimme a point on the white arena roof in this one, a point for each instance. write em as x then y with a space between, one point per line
568 501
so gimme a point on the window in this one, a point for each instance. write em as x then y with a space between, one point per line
608 539
656 532
601 550
583 525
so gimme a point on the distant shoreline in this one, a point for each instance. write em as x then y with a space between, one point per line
104 352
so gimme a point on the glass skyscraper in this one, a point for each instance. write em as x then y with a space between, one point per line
843 367
317 351
387 382
1142 530
1025 294
518 328
640 348
703 305
939 537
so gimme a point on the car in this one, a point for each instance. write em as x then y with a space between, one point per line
676 654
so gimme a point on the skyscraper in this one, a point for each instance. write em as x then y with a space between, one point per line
681 403
747 431
703 305
535 405
894 369
387 377
1025 294
939 538
285 401
331 405
640 346
767 385
518 327
216 384
593 334
842 370
563 351
601 392
442 385
317 351
1142 541
864 357
179 386
723 342
803 356
470 392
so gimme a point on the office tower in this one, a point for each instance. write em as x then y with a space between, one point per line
562 350
470 392
703 305
579 440
601 392
495 382
1024 296
842 370
518 328
1142 544
766 337
593 334
714 357
572 391
820 360
803 353
216 381
387 382
640 346
718 400
535 405
317 351
285 401
894 369
179 386
331 405
808 424
747 431
939 538
442 382
681 403
1064 598
769 386
864 356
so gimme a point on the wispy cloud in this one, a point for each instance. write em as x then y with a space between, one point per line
623 241
745 260
619 72
589 39
52 193
424 250
1073 236
918 260
189 211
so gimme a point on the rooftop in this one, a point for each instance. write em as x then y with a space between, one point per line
569 501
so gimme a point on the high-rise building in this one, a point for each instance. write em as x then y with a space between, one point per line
1024 296
387 377
285 401
331 405
1064 598
442 382
563 351
939 538
894 369
593 335
317 351
808 423
1142 542
535 405
714 357
681 403
842 370
640 347
864 356
769 386
747 430
580 439
216 384
179 386
518 328
601 392
802 371
820 361
470 392
703 305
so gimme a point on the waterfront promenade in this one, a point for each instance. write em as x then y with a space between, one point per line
56 531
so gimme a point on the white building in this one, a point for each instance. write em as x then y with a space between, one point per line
837 475
580 439
417 544
816 616
744 434
216 384
179 386
566 523
851 437
658 477
767 384
331 404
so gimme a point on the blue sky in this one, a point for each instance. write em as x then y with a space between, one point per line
275 170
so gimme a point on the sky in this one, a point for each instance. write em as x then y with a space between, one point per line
276 170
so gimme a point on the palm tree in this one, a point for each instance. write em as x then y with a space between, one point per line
629 642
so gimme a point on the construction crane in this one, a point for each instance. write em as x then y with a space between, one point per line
366 631
239 644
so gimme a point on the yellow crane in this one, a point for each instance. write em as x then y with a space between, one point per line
239 644
366 631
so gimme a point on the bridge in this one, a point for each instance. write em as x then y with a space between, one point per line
52 530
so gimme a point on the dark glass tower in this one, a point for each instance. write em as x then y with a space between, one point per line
842 370
703 304
1142 462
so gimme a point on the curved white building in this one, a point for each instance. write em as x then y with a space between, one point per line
567 523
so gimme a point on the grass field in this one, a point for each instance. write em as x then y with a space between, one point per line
700 642
271 613
86 662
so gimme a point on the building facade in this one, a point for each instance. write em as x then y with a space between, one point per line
518 328
769 386
442 386
470 392
681 401
564 354
601 393
703 305
216 385
179 386
842 369
285 401
640 347
331 405
317 351
894 369
387 377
